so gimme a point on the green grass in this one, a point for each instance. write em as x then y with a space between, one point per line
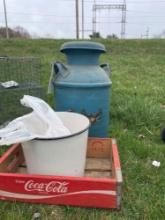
138 76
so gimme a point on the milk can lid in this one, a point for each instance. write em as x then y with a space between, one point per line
87 45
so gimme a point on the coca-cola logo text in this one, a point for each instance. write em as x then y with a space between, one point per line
52 186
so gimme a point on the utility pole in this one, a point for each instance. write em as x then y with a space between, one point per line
77 19
94 18
82 19
147 33
123 20
5 12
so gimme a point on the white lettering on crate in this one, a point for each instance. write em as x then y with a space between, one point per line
52 186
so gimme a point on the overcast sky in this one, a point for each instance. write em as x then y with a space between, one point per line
56 18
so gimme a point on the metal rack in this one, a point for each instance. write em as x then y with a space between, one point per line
26 71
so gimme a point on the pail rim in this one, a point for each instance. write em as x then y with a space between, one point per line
67 136
63 137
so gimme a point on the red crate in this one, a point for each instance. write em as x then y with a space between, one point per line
100 187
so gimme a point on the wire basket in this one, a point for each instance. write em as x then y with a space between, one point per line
26 73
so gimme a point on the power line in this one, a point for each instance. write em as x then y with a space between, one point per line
43 15
71 16
113 22
39 14
144 12
129 2
112 1
45 22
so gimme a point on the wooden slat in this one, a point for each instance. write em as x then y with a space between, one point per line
98 164
99 148
116 168
11 159
98 174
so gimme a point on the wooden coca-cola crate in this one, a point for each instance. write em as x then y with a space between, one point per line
100 187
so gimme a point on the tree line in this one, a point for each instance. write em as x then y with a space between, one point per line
17 32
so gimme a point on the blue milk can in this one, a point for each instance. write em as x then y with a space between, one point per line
83 86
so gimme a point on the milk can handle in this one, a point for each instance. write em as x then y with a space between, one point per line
107 68
57 68
60 68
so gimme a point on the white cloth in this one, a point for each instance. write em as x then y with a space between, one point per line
43 122
9 84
